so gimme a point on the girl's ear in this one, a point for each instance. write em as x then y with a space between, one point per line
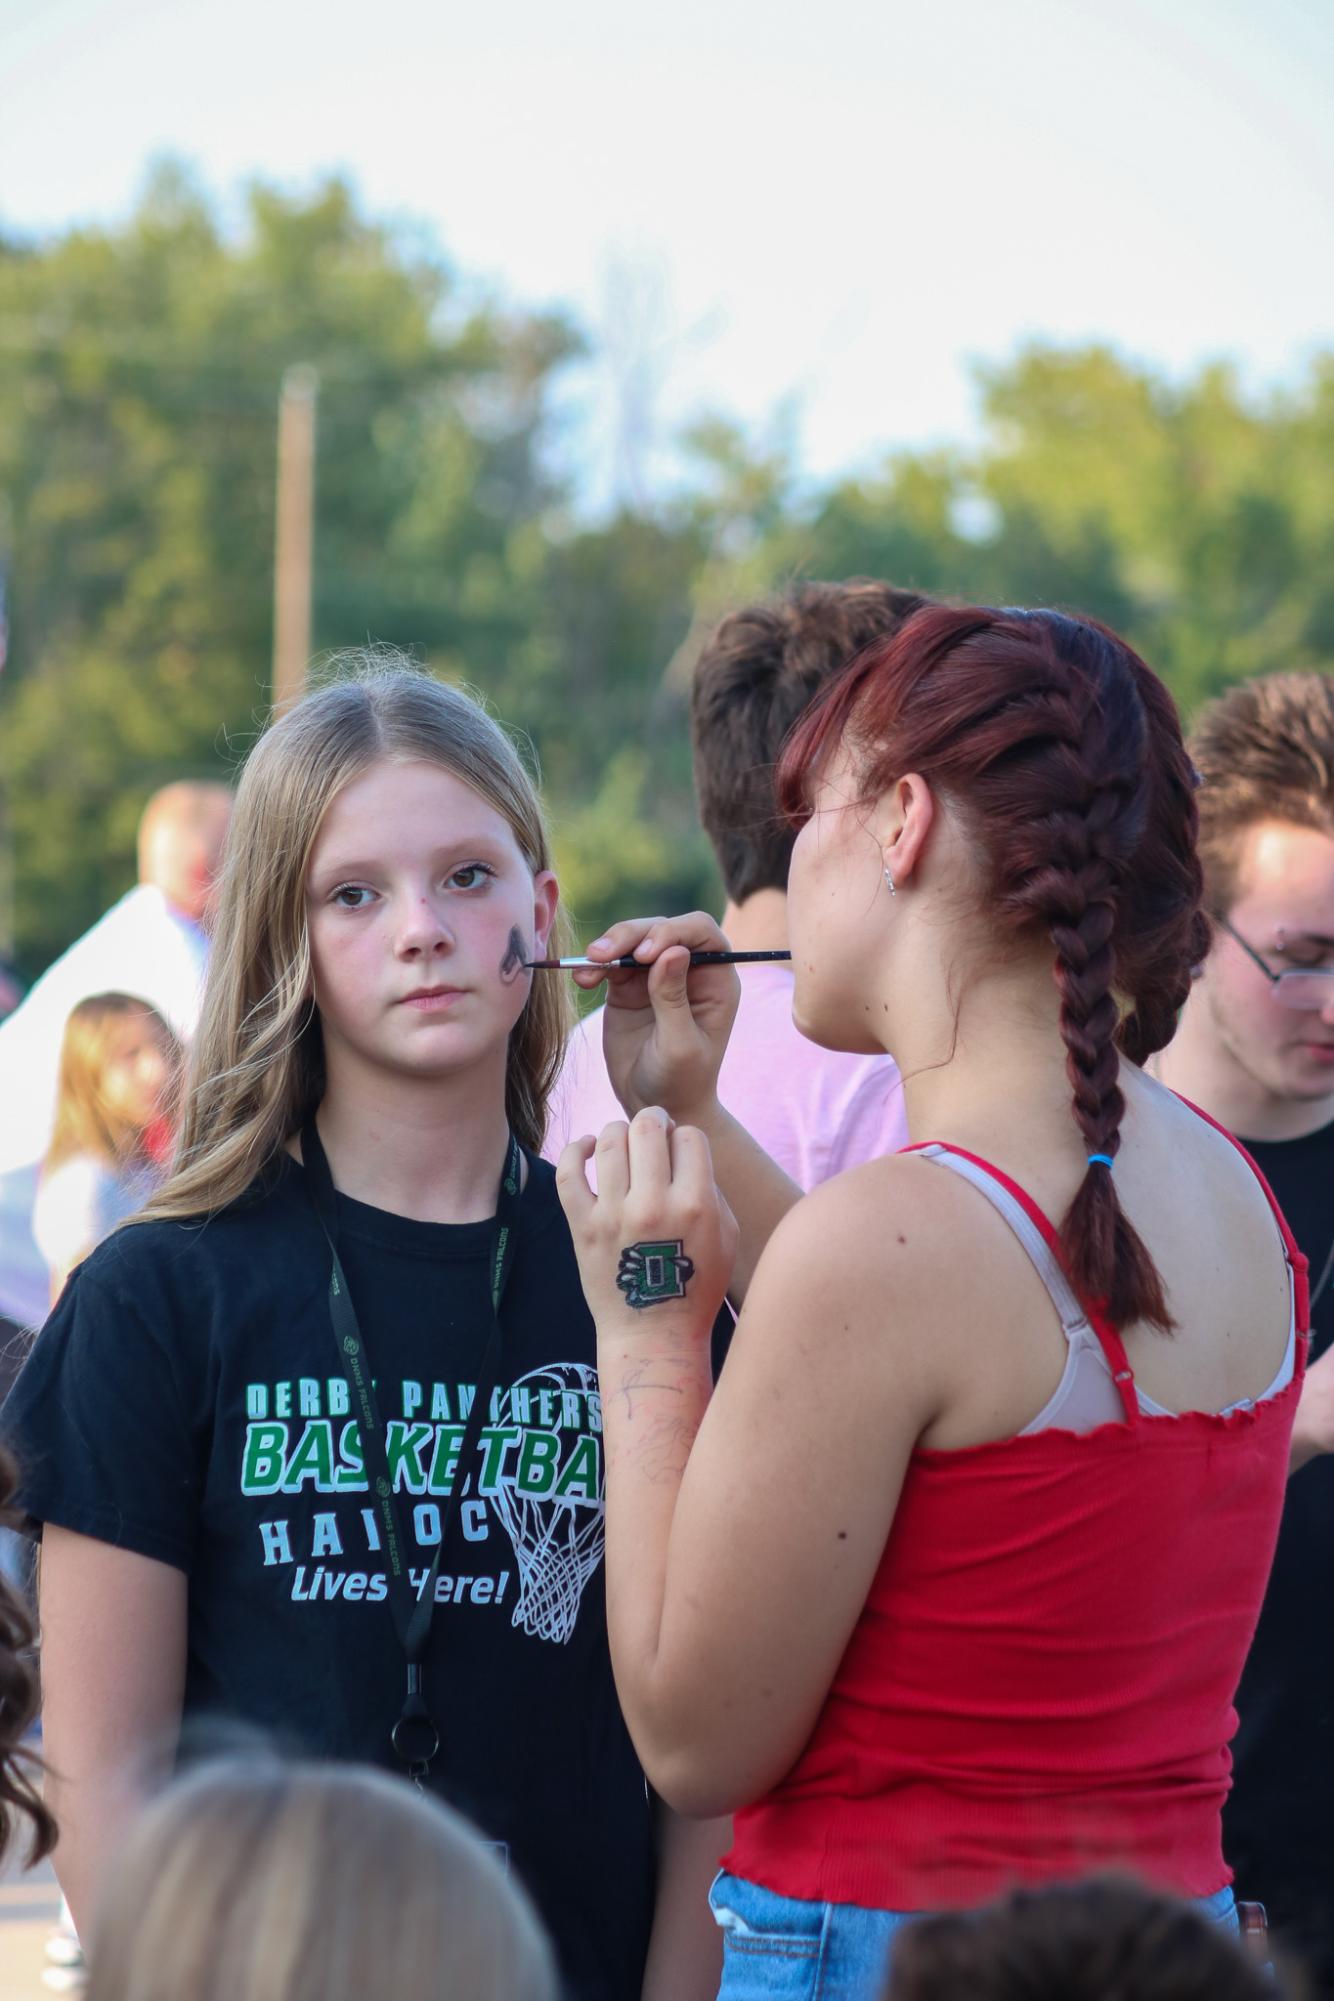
546 896
906 814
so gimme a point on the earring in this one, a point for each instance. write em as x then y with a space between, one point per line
889 880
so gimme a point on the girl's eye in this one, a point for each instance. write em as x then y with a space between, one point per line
471 876
351 896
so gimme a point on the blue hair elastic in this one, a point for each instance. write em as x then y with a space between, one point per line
1100 1160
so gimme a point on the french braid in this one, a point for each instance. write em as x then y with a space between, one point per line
1167 935
1062 752
1089 798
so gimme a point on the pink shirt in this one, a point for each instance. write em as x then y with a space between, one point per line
815 1111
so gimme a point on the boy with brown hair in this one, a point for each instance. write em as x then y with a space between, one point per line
815 1111
1255 1049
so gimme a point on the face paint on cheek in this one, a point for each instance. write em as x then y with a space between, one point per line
516 956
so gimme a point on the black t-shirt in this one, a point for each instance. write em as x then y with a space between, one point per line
186 1401
1278 1824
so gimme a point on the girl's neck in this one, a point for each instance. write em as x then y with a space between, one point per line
983 1062
429 1149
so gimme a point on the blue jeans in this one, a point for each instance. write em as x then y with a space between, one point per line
779 1948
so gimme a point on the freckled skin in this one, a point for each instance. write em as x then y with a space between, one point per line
516 953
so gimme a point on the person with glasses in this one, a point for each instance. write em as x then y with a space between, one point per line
1255 1049
1298 985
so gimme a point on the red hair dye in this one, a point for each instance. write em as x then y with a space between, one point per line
1062 753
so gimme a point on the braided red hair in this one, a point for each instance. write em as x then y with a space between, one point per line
1063 753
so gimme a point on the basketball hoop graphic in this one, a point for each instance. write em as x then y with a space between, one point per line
558 1539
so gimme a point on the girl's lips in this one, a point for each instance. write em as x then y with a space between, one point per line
434 998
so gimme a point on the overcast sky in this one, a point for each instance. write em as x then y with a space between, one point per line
837 203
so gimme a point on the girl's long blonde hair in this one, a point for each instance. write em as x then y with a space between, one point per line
256 1071
258 1881
84 1121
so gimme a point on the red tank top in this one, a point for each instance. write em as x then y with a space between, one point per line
1041 1680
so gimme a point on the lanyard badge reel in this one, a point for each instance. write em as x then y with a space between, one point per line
415 1736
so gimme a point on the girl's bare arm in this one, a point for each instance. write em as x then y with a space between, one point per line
685 1954
744 1524
113 1682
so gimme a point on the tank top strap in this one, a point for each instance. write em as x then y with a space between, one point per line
1036 1232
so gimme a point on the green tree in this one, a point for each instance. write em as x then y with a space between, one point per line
1197 520
139 373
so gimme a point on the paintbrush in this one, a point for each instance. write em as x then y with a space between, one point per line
696 959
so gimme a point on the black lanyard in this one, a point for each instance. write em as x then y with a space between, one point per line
414 1737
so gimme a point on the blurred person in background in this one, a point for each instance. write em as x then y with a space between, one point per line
1107 1939
20 1797
118 1067
11 990
255 1880
1255 1049
153 943
814 1111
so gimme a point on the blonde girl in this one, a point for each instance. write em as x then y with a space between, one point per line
317 1442
260 1881
118 1065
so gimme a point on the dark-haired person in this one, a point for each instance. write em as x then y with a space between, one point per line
949 1584
815 1111
1255 1049
1108 1939
20 1799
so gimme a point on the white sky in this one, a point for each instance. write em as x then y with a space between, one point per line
838 202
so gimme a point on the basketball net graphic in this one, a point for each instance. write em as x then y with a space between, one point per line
558 1541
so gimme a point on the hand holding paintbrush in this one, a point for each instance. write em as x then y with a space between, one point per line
671 996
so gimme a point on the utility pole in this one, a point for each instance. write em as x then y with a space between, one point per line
294 534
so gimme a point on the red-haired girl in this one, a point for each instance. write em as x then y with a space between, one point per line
950 1582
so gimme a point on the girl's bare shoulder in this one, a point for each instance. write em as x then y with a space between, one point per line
888 1231
1177 1167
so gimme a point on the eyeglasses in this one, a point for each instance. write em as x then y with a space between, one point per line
1295 986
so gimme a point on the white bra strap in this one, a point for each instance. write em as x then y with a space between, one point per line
1040 1253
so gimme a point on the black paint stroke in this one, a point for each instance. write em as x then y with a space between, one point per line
516 956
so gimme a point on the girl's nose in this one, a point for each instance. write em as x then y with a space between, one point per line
423 929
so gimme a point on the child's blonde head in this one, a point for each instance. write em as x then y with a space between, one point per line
257 1069
259 1881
